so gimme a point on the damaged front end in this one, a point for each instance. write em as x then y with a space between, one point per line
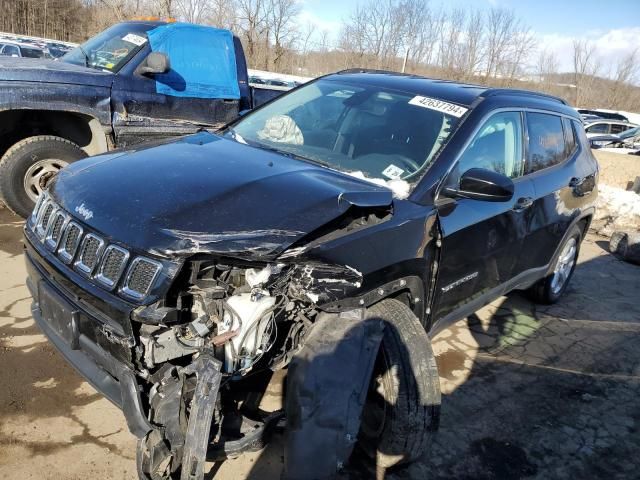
222 300
234 323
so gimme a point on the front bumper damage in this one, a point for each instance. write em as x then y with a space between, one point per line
107 374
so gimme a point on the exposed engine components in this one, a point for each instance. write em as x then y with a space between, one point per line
253 319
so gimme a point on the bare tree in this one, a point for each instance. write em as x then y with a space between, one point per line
585 69
547 69
625 75
222 14
252 18
193 11
472 49
281 16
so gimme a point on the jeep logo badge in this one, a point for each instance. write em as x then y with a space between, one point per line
84 212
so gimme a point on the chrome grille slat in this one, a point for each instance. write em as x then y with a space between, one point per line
70 242
55 230
90 251
43 219
113 264
140 277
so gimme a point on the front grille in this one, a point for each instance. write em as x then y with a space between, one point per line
89 253
43 221
54 231
113 263
70 241
140 277
104 264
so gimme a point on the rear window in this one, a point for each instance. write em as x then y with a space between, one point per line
546 141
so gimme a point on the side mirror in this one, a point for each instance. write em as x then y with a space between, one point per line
482 184
156 62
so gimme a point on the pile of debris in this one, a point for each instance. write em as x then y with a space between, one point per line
618 217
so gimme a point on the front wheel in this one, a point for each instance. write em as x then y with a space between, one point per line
29 165
550 289
402 406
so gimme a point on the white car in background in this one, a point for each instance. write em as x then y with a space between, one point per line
607 127
14 49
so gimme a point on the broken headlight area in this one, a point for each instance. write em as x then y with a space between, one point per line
248 320
242 313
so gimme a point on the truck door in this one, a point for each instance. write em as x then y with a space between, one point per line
201 89
482 240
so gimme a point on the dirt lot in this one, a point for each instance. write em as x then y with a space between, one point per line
617 169
529 392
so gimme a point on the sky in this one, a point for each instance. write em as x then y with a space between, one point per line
614 27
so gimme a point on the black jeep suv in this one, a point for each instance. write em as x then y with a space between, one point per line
329 232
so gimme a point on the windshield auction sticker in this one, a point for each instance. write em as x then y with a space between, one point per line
135 39
438 105
392 172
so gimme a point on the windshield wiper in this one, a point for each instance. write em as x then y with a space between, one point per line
86 57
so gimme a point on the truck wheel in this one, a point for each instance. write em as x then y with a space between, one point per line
29 164
550 289
403 404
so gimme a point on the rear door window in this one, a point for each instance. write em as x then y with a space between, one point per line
546 141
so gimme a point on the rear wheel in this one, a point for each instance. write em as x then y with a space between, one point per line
29 165
402 406
550 289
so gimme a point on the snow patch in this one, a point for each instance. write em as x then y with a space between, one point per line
400 188
616 209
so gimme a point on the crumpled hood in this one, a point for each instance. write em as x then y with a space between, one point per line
204 193
50 71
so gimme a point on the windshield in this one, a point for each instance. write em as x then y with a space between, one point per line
632 132
111 49
361 129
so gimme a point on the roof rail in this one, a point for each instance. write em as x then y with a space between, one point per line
505 91
371 70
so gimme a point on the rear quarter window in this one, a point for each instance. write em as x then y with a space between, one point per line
570 140
547 146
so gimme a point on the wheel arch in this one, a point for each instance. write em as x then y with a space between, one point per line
81 128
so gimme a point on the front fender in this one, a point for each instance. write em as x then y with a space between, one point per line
93 101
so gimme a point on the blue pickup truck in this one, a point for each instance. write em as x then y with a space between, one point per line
137 81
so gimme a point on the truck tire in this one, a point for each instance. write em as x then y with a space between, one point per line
29 162
549 290
403 404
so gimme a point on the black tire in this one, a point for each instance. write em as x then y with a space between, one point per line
403 404
543 291
17 161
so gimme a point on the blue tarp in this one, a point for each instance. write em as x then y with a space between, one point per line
203 61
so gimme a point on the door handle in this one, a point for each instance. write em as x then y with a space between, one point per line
522 204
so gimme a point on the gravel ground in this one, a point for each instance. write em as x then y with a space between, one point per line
529 392
617 169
